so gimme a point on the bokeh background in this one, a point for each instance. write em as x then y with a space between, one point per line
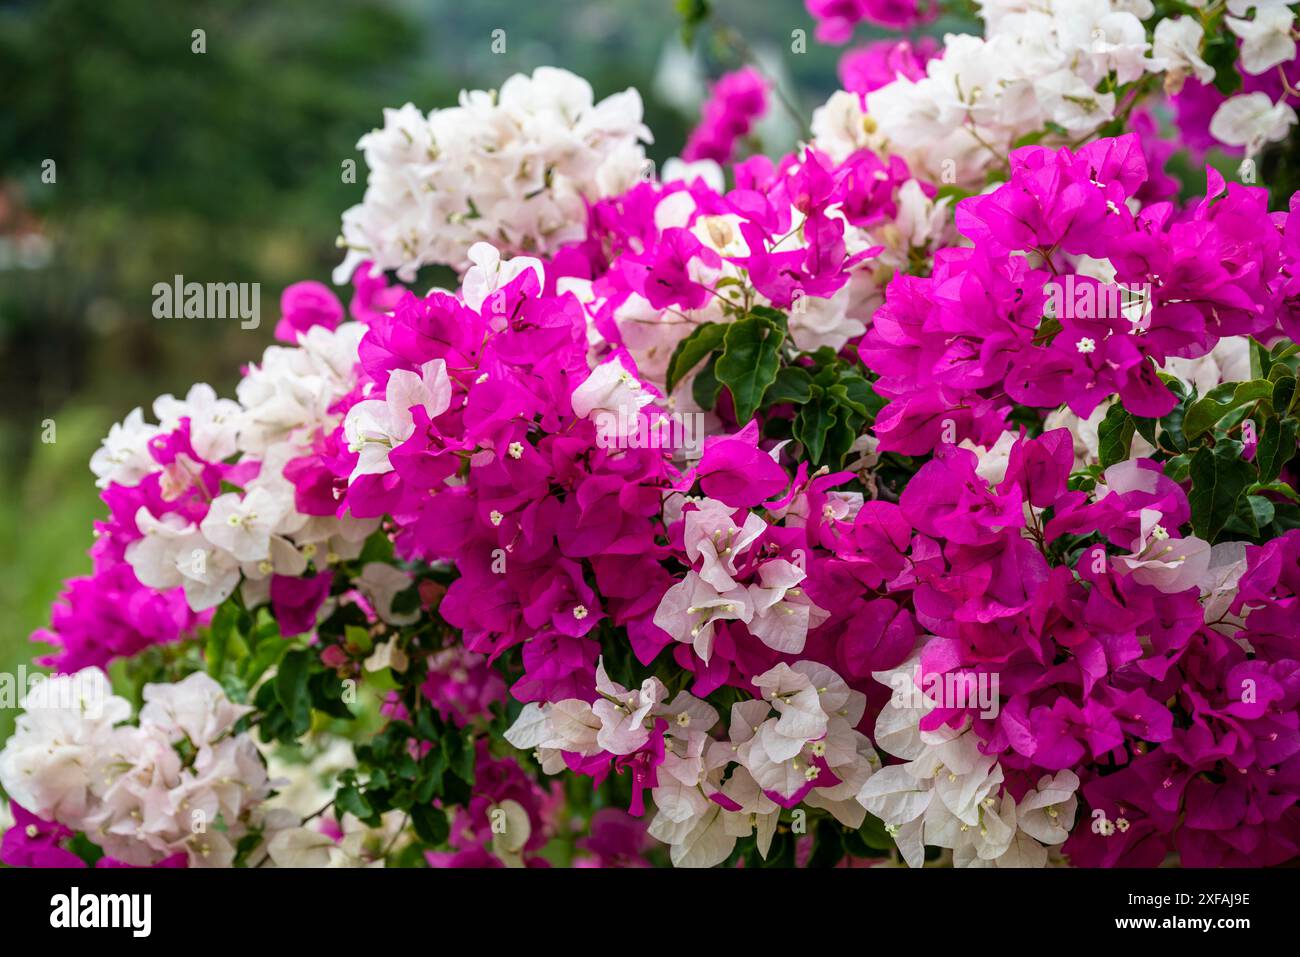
226 166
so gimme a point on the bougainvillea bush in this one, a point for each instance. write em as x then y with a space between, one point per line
925 495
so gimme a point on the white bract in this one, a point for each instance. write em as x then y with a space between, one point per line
374 427
514 168
948 793
130 788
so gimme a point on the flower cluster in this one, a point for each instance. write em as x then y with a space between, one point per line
1056 72
181 787
736 101
515 167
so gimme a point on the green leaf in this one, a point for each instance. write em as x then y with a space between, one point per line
378 548
406 601
1277 488
1286 516
1179 467
358 638
691 351
811 424
1205 412
1260 360
694 14
749 362
792 385
839 392
1221 53
829 847
1115 435
291 688
1277 445
706 387
463 764
1147 429
263 657
1219 477
224 625
1261 510
430 824
1171 428
863 394
870 840
774 316
327 694
1283 393
1029 139
349 800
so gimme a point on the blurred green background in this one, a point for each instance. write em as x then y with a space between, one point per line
226 166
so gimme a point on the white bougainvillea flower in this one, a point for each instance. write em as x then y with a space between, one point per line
124 457
1239 8
508 840
783 613
490 272
301 847
195 708
689 609
623 713
1219 585
156 556
48 762
687 715
1171 565
695 842
609 388
380 583
214 422
713 542
755 812
388 654
568 725
374 427
1177 47
1251 120
802 718
1047 813
243 525
1266 40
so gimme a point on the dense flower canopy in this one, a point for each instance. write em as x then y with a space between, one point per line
928 492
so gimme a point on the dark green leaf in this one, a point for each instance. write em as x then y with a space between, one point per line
706 387
291 689
792 385
811 424
1205 412
1277 445
1115 435
829 847
692 350
349 800
430 824
1283 393
1219 476
748 364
